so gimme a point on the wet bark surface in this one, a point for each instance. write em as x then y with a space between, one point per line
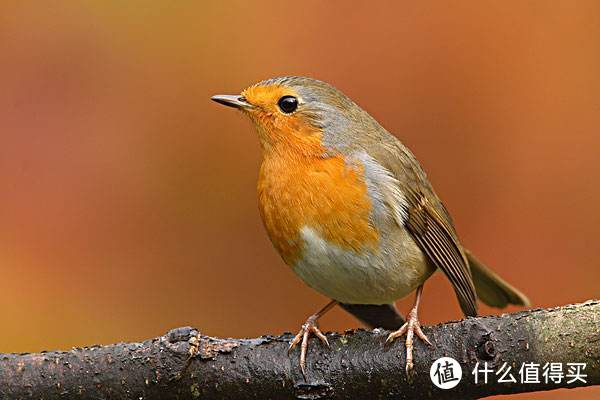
183 364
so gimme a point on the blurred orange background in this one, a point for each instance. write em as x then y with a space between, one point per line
128 201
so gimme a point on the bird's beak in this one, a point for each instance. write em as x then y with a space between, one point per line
232 101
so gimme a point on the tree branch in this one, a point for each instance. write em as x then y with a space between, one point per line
357 365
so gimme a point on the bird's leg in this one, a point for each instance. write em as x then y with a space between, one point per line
310 326
411 327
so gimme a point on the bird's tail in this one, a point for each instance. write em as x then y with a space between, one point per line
491 289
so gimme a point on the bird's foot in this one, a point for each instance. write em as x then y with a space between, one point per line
310 326
411 327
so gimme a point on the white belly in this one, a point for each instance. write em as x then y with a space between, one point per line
375 277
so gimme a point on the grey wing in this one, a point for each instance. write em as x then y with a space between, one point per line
425 217
437 239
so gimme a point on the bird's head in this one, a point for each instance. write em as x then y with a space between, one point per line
301 114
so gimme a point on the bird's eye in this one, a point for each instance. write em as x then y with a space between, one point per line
288 104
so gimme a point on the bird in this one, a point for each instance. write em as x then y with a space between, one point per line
352 213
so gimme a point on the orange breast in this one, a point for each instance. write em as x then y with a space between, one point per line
324 194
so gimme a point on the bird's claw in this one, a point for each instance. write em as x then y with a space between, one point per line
411 327
310 326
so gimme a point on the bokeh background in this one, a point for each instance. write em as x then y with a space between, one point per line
128 202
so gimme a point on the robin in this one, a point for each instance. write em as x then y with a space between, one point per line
350 210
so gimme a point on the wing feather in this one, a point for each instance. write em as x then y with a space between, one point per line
427 219
436 240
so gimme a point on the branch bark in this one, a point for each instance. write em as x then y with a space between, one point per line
357 365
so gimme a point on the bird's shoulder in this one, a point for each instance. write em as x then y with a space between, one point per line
390 155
